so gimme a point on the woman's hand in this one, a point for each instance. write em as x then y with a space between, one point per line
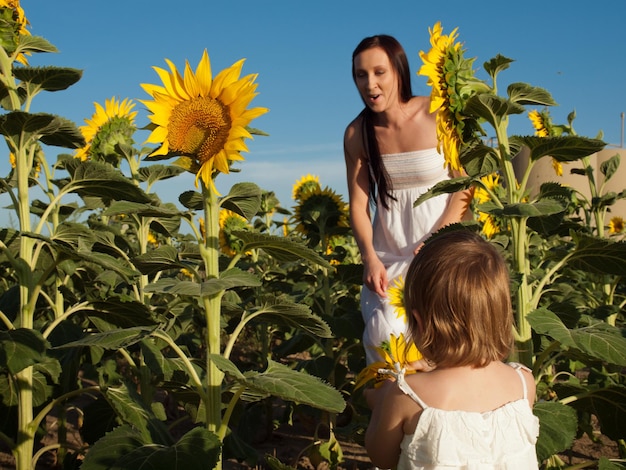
375 276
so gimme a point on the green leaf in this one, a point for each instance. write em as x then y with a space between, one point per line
114 339
525 94
141 209
48 78
609 405
280 248
542 208
610 166
491 108
160 259
114 313
557 428
192 200
152 173
174 286
563 148
108 450
35 44
296 315
229 279
598 255
446 187
95 179
21 348
281 381
496 65
243 199
479 160
25 128
599 340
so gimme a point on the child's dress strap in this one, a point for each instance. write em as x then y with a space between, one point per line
518 368
399 376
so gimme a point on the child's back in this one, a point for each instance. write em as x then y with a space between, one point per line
470 418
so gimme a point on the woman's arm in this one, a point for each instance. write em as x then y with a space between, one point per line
375 274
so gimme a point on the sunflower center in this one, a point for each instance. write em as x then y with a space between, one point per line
199 127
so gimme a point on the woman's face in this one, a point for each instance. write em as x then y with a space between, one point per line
376 79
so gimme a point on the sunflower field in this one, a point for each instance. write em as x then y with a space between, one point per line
175 337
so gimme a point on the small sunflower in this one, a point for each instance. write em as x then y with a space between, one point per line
396 351
544 128
483 195
452 80
109 126
304 185
13 14
616 225
229 222
201 118
396 297
320 211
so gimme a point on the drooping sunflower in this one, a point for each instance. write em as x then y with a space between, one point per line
320 212
616 225
452 80
394 352
229 222
544 128
396 297
304 185
109 126
201 118
13 16
482 196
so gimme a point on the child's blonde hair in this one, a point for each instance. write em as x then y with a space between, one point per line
458 286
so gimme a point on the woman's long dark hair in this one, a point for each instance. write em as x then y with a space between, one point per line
379 178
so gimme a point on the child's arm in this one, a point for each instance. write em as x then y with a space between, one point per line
385 431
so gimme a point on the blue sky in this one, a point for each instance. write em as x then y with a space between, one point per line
302 53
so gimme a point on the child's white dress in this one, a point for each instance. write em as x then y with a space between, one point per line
397 231
504 438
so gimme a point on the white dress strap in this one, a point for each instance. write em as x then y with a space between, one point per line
399 373
518 368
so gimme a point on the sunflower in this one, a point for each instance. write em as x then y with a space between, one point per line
229 222
452 80
543 128
396 352
304 185
396 297
320 212
13 14
109 126
200 118
616 225
483 195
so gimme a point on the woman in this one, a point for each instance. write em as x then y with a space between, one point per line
391 159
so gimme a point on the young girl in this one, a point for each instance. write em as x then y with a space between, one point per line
472 410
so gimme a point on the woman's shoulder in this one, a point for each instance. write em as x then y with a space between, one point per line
420 106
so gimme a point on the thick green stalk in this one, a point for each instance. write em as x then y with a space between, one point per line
211 304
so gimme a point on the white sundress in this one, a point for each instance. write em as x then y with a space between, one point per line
502 439
397 231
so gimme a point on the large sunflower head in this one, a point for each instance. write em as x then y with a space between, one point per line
321 213
305 185
110 126
200 118
452 80
395 353
230 222
13 23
